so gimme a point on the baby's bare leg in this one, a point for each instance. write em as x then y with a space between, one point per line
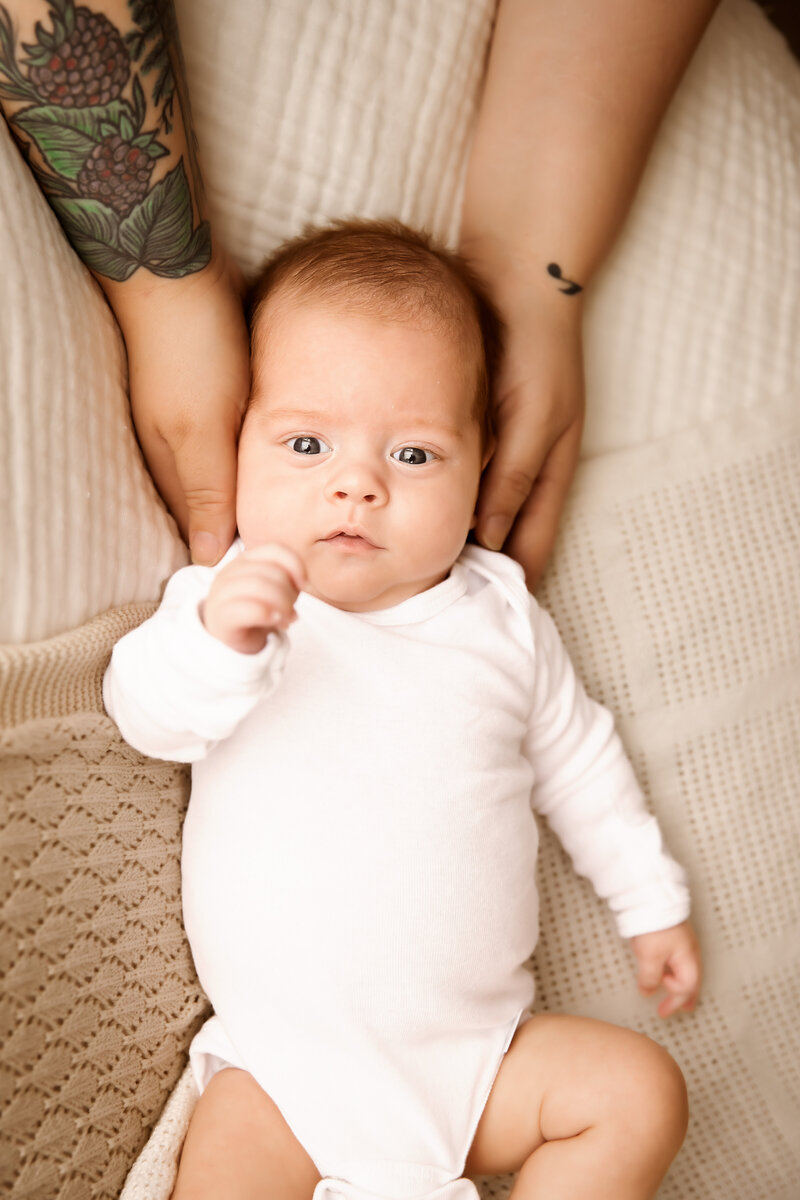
239 1146
583 1111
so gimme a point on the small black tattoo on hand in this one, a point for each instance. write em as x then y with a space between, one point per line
572 288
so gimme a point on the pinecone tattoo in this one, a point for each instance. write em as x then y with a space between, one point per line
83 62
117 173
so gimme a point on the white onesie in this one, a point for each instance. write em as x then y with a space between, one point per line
359 851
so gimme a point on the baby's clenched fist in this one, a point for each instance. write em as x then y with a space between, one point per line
253 596
670 958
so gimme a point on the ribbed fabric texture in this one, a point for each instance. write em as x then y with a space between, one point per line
696 313
83 526
332 109
62 675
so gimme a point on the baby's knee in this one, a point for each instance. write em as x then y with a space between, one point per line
657 1110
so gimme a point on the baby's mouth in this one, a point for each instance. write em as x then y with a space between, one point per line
350 539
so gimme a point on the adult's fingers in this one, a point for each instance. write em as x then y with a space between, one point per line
161 465
536 528
205 471
188 360
522 447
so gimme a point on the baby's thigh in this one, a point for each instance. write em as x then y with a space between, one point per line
239 1146
564 1074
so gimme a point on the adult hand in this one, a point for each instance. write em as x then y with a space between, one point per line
189 375
572 100
538 416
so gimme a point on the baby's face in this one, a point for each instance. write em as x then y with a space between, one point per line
361 453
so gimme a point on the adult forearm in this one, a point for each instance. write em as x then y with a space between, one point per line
94 94
574 95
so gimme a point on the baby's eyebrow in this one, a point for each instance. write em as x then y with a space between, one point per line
299 416
295 414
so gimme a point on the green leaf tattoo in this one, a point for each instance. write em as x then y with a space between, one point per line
93 229
86 115
65 137
159 230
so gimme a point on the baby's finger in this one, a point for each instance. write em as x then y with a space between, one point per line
252 577
682 984
264 586
672 1004
281 556
684 976
651 975
243 614
273 588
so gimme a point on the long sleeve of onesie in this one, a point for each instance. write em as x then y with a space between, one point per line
172 688
586 789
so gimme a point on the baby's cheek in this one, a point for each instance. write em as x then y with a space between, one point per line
259 495
248 518
276 514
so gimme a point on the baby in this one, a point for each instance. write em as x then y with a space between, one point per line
374 713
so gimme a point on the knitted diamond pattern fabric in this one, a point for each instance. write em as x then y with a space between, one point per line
99 994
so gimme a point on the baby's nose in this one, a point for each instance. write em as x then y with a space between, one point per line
357 494
358 484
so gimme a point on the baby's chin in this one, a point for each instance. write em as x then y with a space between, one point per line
352 599
364 596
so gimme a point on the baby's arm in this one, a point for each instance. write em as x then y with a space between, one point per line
189 675
587 790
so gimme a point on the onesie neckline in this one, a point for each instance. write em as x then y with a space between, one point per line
409 612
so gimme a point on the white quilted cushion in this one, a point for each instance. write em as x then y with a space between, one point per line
83 528
697 311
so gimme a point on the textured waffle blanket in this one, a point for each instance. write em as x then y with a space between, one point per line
676 582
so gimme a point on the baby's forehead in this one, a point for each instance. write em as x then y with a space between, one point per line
318 348
411 312
289 325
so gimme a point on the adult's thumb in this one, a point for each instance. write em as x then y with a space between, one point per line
505 488
206 468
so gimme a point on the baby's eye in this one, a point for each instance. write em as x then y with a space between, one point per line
415 456
307 445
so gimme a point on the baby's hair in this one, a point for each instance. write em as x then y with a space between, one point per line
386 269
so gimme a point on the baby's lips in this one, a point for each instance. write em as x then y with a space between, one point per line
352 531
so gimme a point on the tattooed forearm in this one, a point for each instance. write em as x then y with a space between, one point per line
572 288
106 155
